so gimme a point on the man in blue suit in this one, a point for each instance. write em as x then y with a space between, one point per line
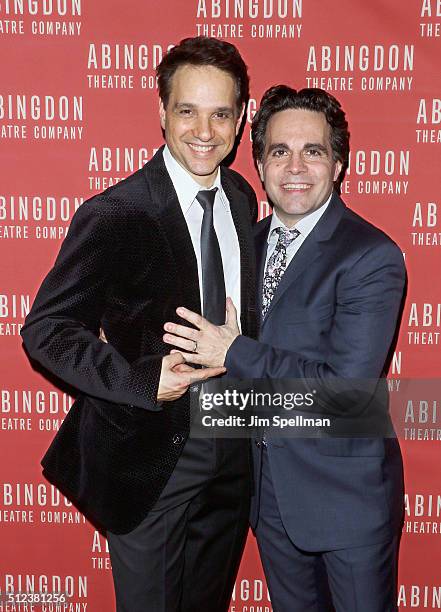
330 290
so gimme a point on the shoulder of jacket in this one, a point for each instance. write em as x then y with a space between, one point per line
364 230
240 182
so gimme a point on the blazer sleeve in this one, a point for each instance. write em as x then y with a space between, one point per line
369 297
61 330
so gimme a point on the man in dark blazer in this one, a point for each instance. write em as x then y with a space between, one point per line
175 508
330 289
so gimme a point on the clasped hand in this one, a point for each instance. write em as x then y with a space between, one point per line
176 375
208 344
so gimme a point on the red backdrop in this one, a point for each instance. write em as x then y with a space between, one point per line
78 112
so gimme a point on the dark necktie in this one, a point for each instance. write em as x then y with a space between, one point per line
213 282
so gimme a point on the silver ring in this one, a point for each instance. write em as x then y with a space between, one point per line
195 348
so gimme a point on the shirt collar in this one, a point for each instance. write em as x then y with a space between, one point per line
305 225
185 186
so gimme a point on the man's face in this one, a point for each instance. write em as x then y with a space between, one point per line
298 169
201 120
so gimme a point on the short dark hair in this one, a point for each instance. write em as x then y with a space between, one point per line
204 51
283 97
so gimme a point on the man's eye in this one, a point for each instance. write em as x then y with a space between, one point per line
279 152
313 153
186 112
222 115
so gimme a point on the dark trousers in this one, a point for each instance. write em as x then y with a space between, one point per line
359 579
185 555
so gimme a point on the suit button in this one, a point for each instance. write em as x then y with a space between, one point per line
258 443
178 439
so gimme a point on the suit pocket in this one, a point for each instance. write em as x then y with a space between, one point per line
119 416
350 447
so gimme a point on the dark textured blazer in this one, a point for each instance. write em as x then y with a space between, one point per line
333 317
126 264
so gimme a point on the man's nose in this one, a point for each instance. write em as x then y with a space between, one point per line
296 163
203 128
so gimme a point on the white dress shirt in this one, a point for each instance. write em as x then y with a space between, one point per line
187 189
304 226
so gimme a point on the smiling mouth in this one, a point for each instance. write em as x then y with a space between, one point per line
296 186
201 148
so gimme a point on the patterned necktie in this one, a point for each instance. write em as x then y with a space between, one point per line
213 280
276 266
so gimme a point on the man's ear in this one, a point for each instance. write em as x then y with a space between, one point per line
162 114
239 121
260 169
338 167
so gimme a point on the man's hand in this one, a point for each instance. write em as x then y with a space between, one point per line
176 377
207 345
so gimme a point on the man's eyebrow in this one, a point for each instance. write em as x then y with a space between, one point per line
224 109
219 109
277 145
315 145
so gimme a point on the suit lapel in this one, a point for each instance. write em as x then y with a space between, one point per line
175 230
305 256
240 211
309 251
261 243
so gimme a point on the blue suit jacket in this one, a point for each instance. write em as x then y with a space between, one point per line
334 315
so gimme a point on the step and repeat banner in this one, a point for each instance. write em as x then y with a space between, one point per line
79 112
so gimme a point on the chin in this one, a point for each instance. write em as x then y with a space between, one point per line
296 209
198 171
